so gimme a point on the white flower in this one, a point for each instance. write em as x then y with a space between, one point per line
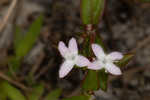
105 61
71 57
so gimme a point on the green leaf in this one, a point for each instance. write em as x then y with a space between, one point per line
12 92
29 39
14 65
54 95
91 11
36 93
81 97
98 6
86 10
3 95
18 37
125 60
103 77
91 81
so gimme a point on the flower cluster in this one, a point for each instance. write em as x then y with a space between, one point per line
102 60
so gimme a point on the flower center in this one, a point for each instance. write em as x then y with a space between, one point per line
104 61
71 56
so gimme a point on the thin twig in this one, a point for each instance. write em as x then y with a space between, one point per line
7 16
3 76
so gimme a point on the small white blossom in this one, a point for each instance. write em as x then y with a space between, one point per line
71 57
105 61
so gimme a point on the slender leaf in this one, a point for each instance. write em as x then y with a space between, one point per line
12 92
98 6
54 95
18 37
3 95
14 65
86 10
36 93
103 77
91 81
91 10
125 60
29 39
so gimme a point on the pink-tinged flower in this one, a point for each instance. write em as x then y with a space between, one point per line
71 57
105 61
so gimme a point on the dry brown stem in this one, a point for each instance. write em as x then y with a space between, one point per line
3 76
8 14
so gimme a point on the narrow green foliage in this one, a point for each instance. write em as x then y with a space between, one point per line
36 93
91 10
11 92
3 95
18 37
97 8
91 81
26 42
14 62
54 95
14 65
81 97
86 10
102 77
125 60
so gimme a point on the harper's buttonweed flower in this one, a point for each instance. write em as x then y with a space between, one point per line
105 61
71 57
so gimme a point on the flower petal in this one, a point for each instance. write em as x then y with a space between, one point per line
98 51
113 69
95 65
82 61
65 68
115 56
62 48
73 46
